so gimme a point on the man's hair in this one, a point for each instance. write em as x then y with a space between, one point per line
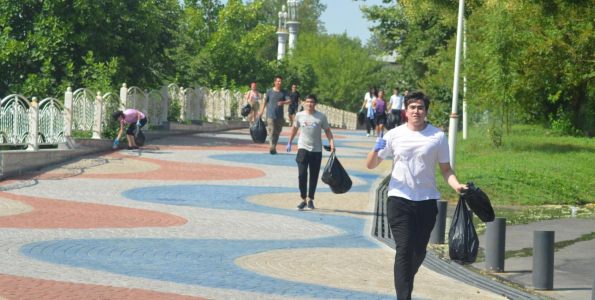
117 114
412 97
277 77
396 89
311 96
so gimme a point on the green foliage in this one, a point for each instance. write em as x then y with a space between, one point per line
342 66
561 123
531 167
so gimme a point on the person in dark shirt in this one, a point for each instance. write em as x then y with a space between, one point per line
296 101
274 100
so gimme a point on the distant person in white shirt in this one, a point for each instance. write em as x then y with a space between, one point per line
369 98
395 106
416 148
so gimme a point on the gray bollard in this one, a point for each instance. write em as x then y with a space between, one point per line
593 290
437 235
495 245
543 260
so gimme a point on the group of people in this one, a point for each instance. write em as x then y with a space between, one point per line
415 147
377 109
311 123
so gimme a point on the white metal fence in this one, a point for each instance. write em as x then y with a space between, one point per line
51 121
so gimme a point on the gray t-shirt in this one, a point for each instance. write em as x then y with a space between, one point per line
311 133
272 98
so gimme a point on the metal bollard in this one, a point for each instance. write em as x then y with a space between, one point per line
593 290
543 260
495 245
437 235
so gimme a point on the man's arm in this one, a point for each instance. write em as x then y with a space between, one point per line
373 160
451 178
331 140
294 131
264 103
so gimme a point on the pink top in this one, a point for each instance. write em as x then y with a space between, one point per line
252 96
130 116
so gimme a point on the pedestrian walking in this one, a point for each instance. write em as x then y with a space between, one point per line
252 98
274 100
396 105
380 108
416 148
135 118
296 101
368 100
309 154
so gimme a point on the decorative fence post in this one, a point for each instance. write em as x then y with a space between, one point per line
33 126
98 117
197 106
123 96
145 104
164 103
68 112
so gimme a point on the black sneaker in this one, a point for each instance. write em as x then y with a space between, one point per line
130 148
135 148
301 206
311 204
273 151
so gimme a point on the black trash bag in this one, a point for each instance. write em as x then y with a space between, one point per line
335 176
139 137
463 243
245 111
258 131
478 202
391 121
361 118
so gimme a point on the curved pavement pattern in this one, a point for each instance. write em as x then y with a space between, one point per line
205 216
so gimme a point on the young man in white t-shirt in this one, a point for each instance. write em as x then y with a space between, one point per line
416 148
309 155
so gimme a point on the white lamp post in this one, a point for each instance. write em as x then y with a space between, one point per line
282 34
293 23
454 118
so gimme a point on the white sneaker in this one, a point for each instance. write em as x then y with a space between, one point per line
368 135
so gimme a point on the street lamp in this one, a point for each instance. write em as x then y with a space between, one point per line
454 118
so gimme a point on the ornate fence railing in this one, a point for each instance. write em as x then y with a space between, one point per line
25 122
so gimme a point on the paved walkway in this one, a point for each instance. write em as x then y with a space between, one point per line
207 216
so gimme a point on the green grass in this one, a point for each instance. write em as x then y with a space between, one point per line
532 167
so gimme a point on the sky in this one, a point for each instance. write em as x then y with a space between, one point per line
345 16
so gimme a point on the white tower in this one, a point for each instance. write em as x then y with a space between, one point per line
282 33
293 23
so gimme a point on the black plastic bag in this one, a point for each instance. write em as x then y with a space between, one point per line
361 118
258 131
335 176
139 137
245 111
391 121
463 243
478 202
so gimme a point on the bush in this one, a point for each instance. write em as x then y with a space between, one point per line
562 124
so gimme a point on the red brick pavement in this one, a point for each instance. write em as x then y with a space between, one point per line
23 288
50 213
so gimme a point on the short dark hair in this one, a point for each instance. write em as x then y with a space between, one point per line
311 96
277 77
412 97
396 89
117 114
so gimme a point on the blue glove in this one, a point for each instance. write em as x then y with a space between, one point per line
247 104
288 147
380 143
361 110
138 124
116 142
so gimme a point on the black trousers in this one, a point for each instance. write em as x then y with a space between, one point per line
397 114
411 223
132 126
306 159
370 124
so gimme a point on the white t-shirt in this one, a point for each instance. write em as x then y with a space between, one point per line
311 126
396 101
415 154
369 100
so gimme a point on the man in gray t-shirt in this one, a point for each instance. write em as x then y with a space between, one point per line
274 100
309 154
